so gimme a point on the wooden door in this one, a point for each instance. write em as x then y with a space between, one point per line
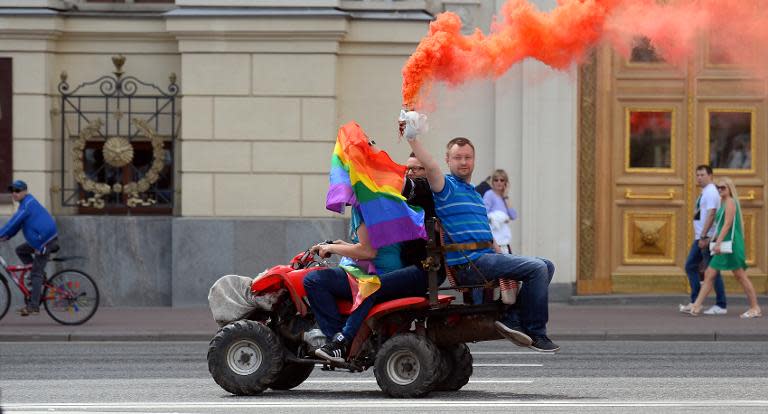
655 124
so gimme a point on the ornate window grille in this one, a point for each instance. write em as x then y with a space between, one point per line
117 144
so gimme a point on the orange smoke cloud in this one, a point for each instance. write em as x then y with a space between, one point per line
565 35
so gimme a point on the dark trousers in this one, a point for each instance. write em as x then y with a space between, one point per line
28 255
695 258
325 286
532 306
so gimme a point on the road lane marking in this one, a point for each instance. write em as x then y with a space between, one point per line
412 403
373 381
507 365
483 365
512 353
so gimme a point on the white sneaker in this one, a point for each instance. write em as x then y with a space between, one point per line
716 310
686 308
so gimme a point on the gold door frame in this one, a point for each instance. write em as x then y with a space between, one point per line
752 111
627 136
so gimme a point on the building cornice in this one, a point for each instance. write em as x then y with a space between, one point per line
243 12
258 3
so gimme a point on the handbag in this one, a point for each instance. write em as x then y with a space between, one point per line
726 247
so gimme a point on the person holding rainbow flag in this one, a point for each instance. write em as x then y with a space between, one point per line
371 269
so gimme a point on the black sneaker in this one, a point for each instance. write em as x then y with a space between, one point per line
334 351
513 332
544 344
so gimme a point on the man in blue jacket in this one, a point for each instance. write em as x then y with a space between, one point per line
39 230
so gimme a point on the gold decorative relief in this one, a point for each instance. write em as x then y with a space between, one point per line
118 152
587 166
750 196
649 238
749 237
630 195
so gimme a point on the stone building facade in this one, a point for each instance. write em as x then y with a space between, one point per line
264 85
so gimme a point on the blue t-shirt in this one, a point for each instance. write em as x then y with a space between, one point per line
464 218
387 257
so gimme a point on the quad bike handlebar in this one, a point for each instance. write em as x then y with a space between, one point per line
307 258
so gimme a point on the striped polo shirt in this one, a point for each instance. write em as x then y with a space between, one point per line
464 217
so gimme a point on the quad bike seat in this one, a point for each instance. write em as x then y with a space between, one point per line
413 302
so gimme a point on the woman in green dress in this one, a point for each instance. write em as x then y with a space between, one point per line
730 227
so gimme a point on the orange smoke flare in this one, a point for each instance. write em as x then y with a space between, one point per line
557 38
737 29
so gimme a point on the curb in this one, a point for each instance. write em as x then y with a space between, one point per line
108 337
665 300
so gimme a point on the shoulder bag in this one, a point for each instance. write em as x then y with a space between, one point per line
726 247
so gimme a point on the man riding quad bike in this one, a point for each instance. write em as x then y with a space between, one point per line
415 344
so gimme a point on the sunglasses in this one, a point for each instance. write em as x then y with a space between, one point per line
16 190
499 179
721 187
415 169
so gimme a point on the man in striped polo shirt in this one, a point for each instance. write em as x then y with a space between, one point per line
472 255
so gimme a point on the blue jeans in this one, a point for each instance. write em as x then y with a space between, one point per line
325 286
696 256
531 310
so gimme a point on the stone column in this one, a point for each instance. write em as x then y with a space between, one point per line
28 37
536 114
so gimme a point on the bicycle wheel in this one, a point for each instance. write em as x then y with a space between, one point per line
71 297
5 297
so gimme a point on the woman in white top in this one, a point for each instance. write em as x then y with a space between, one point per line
500 211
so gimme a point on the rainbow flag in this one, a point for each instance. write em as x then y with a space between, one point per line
361 283
369 179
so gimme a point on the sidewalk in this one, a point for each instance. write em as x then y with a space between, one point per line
594 322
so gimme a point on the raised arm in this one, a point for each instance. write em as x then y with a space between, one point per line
411 125
434 174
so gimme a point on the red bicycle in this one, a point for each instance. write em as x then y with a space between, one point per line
70 296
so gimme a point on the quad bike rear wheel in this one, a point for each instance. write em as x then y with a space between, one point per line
456 368
407 366
245 357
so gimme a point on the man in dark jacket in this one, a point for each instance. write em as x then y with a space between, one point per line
39 230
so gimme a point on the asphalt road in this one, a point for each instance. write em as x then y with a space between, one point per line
585 377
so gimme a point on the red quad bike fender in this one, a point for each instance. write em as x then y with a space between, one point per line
284 276
385 308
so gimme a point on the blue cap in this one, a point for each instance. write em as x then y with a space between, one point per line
18 185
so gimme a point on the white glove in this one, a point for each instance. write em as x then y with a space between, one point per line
415 124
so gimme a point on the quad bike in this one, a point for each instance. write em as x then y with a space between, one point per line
415 344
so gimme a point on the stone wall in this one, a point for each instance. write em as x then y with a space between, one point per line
264 91
165 261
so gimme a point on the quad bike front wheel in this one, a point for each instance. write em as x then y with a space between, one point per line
407 366
456 367
245 357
